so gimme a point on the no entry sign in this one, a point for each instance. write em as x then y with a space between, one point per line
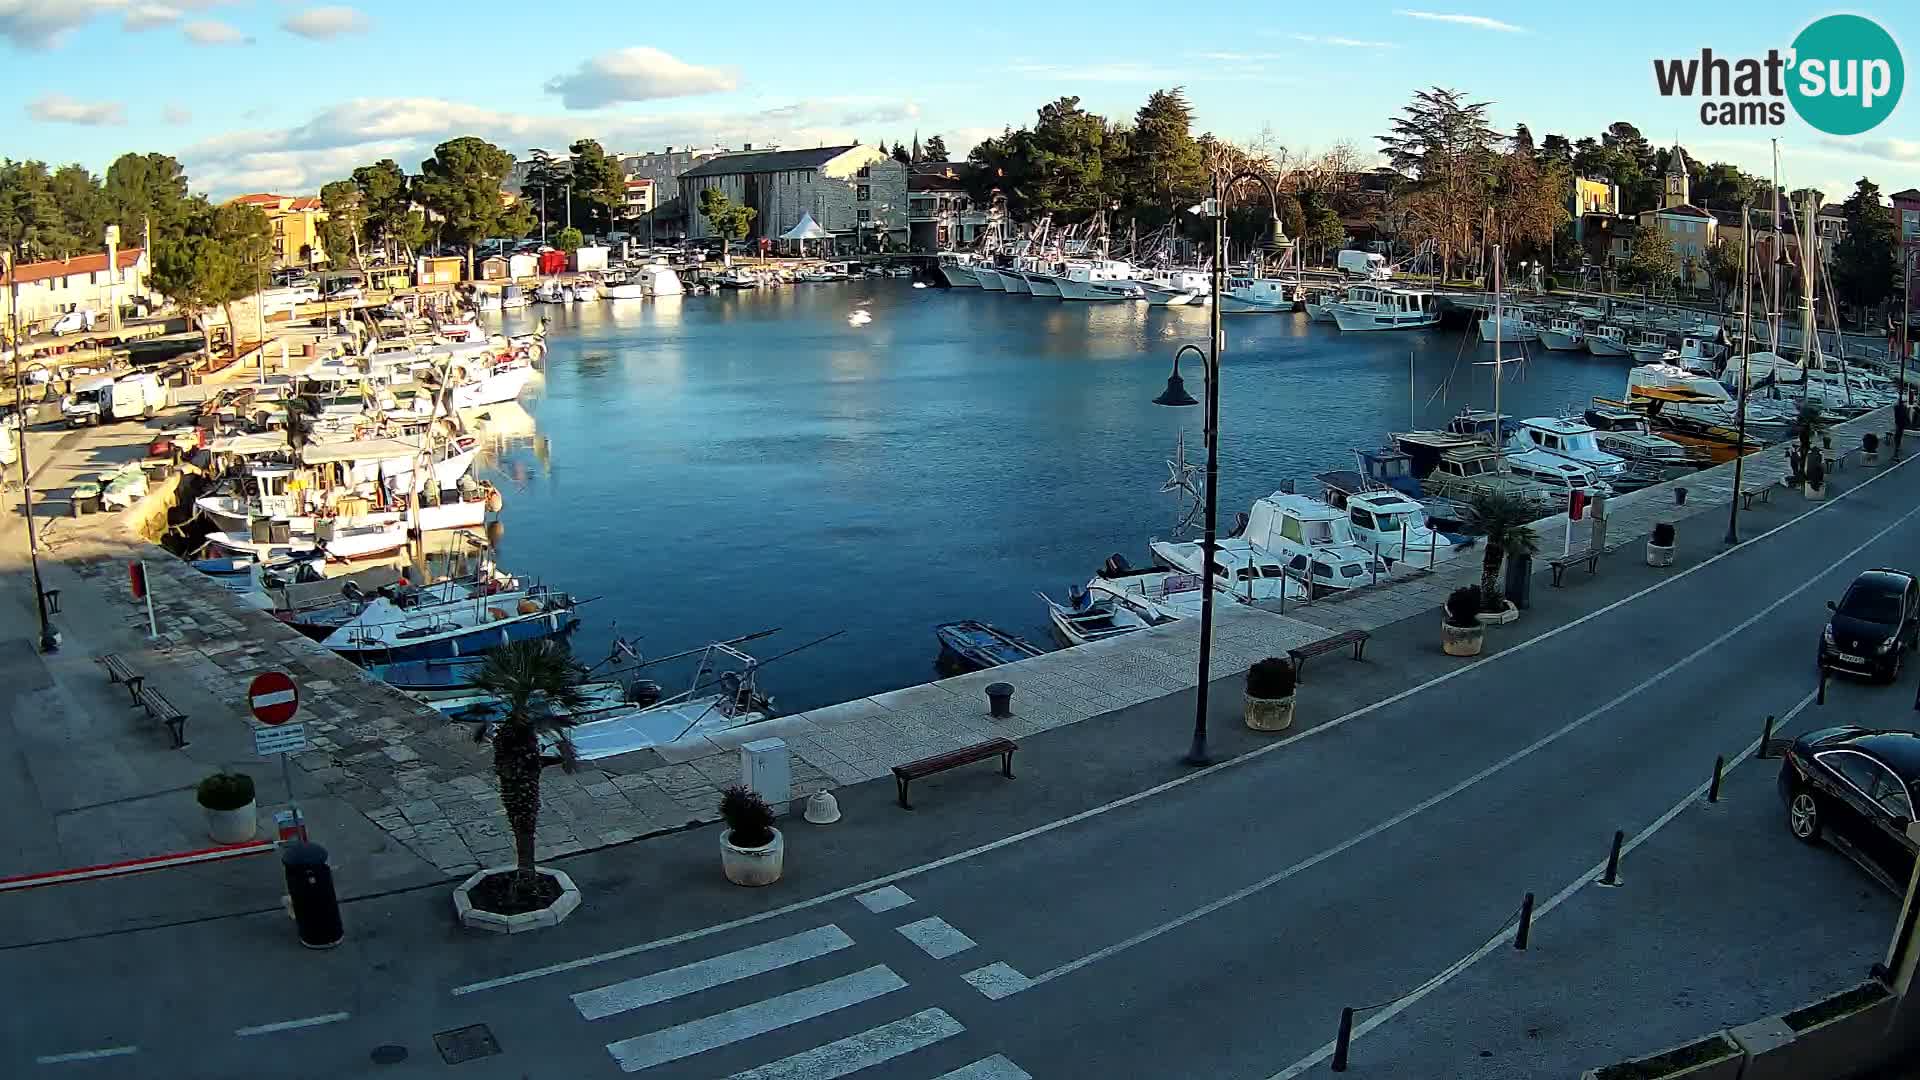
273 697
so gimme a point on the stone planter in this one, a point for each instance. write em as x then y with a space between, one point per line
553 914
1658 555
1499 618
1870 458
232 826
1462 640
1268 714
752 866
1715 1062
1841 1044
1814 493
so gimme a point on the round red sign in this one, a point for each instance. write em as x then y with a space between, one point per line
273 697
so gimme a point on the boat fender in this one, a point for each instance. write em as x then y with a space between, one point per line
529 607
495 614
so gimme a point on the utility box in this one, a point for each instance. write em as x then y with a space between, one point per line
765 769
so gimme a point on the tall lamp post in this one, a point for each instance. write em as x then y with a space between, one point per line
49 640
1176 395
1746 387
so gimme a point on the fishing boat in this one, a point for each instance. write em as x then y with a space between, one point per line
969 645
956 267
1608 340
1515 324
1105 280
1085 617
1173 287
1259 295
1319 303
1518 456
723 693
1379 308
384 631
1564 335
1566 438
1315 540
1652 347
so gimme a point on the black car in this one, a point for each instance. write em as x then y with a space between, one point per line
1858 786
1873 625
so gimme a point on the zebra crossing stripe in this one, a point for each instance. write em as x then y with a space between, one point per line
996 1067
758 1018
855 1052
706 974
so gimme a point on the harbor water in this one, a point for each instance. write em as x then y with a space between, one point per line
708 466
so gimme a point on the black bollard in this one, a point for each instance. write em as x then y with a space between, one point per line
1766 737
1341 1040
1000 700
1713 789
1612 876
1525 931
316 911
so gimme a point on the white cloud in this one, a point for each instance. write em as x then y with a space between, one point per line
176 115
41 24
322 23
213 32
1343 42
1889 149
61 109
151 16
1478 22
639 73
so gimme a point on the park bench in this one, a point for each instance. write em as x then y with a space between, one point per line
118 672
1590 556
1755 493
953 759
159 708
1301 654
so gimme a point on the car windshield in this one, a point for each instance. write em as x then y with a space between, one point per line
1871 604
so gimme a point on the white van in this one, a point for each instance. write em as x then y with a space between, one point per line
105 398
74 322
1365 265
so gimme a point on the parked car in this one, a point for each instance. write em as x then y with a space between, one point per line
106 397
349 291
73 322
1873 625
1855 786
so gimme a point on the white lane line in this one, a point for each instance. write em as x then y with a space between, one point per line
291 1025
855 1052
996 980
936 937
886 899
1430 802
86 1055
996 1067
1505 937
1158 789
707 974
747 1021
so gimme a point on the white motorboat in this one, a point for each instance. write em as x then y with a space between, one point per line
1558 475
1573 440
1625 433
1085 617
1608 340
386 632
739 279
548 292
585 290
1514 324
660 280
345 544
1105 280
1319 304
1395 527
512 298
722 693
1156 594
1258 295
1314 538
1380 308
1242 569
1174 288
1652 347
624 288
1564 335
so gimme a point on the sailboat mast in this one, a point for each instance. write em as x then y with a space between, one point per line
1499 359
1773 295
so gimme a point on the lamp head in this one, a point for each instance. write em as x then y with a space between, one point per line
1175 394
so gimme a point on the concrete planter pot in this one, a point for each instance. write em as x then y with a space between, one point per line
1840 1044
753 867
1812 492
1462 640
1268 714
232 826
553 914
1870 458
1659 555
1499 618
1720 1059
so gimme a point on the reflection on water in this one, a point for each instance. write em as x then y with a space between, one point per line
714 465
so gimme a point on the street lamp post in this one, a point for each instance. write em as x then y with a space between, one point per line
1176 395
49 640
1746 387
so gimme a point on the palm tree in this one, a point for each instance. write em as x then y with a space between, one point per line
1808 421
1505 520
539 684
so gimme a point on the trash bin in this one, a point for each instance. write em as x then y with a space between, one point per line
316 911
1518 585
86 499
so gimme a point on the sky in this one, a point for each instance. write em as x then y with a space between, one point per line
270 95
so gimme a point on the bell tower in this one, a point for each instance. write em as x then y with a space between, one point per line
1679 187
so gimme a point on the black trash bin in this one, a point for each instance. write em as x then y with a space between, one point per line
316 911
1519 581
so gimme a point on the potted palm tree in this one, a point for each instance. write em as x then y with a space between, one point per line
537 683
752 851
1506 522
1816 476
1660 545
1461 632
1807 422
1269 700
227 797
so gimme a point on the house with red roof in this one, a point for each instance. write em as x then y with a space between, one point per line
295 224
49 289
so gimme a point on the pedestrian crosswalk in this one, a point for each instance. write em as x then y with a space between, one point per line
909 1029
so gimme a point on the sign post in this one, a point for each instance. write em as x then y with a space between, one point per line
273 698
1576 504
137 577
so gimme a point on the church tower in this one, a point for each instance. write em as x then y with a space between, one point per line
1679 186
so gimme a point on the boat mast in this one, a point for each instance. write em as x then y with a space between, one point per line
1499 359
1809 266
1773 295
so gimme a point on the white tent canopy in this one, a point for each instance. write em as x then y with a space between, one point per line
806 229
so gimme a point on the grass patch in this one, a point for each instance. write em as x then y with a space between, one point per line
1679 1058
1838 1005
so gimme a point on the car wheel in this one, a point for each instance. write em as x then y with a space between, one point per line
1803 816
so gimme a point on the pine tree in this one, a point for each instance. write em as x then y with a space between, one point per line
1866 261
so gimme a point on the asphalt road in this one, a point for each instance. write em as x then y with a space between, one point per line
1212 927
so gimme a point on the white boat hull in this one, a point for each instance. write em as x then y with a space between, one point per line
1600 346
1163 296
1507 329
1351 320
629 291
228 513
501 386
1042 285
989 279
1015 283
1097 291
1560 341
1237 305
959 277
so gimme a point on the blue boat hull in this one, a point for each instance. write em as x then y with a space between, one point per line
972 646
473 642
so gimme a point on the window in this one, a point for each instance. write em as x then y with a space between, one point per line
1872 779
1290 528
1298 563
1321 569
1873 605
865 171
1361 518
1351 570
864 216
863 193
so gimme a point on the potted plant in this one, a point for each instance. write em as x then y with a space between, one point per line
1816 476
752 852
1660 545
1461 632
1507 524
227 798
538 685
1269 700
1807 422
1870 450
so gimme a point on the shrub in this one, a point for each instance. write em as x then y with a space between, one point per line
1270 678
749 819
225 791
1870 443
1663 534
1463 604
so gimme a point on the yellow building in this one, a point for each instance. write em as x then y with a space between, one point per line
295 221
1691 229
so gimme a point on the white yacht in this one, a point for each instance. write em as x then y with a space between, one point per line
1564 335
1098 279
1243 570
1372 308
1257 294
1316 540
1395 528
1569 439
1608 340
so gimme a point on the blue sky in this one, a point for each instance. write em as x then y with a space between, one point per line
268 94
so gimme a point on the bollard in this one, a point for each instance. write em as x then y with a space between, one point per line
1612 876
1341 1040
1526 923
1766 737
1000 700
1713 789
1679 496
316 911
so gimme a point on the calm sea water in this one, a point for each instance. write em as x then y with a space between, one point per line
715 465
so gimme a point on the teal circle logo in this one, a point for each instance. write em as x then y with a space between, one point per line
1847 74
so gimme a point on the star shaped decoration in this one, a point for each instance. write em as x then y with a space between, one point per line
1180 471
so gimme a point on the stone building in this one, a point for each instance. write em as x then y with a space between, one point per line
856 192
1691 229
942 214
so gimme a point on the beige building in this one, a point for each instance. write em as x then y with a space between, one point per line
1690 228
53 288
295 224
857 193
640 197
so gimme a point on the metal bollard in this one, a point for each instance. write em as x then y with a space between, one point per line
1713 789
1766 737
1341 1041
1612 876
1525 931
1000 700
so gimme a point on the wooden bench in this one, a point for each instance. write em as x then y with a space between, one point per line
1756 493
161 709
953 759
1300 655
119 672
1590 556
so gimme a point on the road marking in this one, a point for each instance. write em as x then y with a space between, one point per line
996 1067
1505 937
1182 780
996 980
936 937
856 1052
707 974
747 1021
86 1055
290 1025
886 899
